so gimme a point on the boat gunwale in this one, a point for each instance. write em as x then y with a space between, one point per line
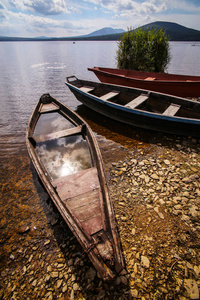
157 81
174 84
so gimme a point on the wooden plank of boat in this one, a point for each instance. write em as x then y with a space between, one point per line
173 84
58 134
109 95
56 137
137 101
172 110
86 89
81 193
150 78
141 108
49 107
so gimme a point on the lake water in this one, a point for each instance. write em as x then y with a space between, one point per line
29 69
31 232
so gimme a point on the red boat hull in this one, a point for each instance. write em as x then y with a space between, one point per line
178 85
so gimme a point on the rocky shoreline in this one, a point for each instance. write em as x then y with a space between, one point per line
157 205
155 190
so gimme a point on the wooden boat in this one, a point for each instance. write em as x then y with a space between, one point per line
178 85
141 108
68 161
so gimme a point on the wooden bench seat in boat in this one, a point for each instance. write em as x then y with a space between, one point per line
81 195
49 107
171 110
150 78
86 89
109 95
58 134
137 101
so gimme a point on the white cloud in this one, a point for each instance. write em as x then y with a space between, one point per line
45 7
134 7
31 25
2 6
183 5
130 7
17 4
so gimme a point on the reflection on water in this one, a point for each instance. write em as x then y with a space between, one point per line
51 122
64 156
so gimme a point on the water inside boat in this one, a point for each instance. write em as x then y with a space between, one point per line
64 155
51 122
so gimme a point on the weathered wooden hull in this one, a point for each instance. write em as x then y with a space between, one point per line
81 196
178 85
143 115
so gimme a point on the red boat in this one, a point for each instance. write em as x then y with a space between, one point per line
178 85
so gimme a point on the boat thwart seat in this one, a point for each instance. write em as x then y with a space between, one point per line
109 95
172 109
137 101
49 107
150 78
87 89
58 134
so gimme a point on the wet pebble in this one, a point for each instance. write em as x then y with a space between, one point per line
192 288
168 186
23 229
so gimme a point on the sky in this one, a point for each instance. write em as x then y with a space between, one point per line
66 18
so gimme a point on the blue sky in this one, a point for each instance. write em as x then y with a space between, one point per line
58 18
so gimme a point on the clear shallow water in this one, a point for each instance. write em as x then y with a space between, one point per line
61 156
30 69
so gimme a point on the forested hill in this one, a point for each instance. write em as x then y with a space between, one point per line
174 31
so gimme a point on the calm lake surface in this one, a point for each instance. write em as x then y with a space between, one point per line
29 69
31 231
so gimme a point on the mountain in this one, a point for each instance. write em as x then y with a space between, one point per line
42 37
174 31
105 31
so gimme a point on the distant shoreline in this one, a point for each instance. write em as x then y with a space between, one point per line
77 40
174 31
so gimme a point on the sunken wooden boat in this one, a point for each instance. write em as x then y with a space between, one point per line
141 108
67 159
178 85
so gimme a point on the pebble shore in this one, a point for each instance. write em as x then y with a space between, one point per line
157 205
155 190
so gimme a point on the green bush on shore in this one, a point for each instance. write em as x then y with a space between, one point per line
143 50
